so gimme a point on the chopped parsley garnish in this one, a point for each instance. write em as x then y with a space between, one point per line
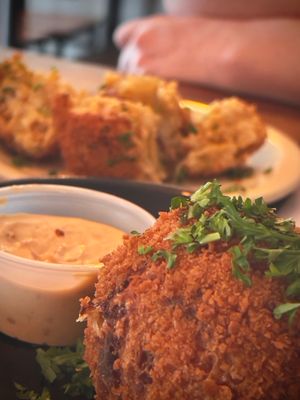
268 170
45 111
27 394
179 201
190 128
63 365
37 86
20 161
135 233
169 257
143 250
251 228
122 158
53 172
126 139
9 90
240 172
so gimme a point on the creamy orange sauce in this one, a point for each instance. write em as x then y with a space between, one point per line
56 239
41 305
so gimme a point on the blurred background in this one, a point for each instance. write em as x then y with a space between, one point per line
74 29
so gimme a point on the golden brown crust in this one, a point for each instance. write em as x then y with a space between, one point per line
228 133
36 120
101 136
26 115
164 99
193 332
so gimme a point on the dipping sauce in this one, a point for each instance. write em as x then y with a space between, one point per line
40 303
56 239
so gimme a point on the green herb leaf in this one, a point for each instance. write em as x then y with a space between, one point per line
181 236
294 288
252 230
178 202
66 364
19 161
37 86
27 394
240 172
143 250
9 90
210 237
135 233
167 255
126 139
53 172
122 158
286 308
268 170
45 111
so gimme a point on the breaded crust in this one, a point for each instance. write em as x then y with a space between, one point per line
193 332
26 98
228 133
107 137
164 99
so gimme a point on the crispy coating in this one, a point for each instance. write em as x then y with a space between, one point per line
104 136
193 332
135 127
164 99
26 99
228 133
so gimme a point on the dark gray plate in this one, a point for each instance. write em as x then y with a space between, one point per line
17 359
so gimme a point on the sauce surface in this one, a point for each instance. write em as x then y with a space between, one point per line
56 239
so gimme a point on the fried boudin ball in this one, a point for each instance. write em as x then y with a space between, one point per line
26 121
229 131
104 136
164 99
175 315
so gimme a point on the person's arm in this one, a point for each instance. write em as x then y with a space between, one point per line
259 57
233 8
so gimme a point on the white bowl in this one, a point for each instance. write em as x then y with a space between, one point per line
39 301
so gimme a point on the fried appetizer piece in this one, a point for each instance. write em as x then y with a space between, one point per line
26 122
228 133
104 136
185 311
163 98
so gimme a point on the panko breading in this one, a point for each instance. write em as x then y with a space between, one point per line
192 330
138 130
26 121
228 133
104 136
163 97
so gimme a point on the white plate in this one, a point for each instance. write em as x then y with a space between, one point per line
279 155
276 170
276 173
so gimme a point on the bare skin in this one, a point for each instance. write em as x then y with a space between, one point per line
234 8
257 56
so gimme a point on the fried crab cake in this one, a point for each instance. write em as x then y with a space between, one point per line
164 99
228 132
108 137
26 115
169 319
